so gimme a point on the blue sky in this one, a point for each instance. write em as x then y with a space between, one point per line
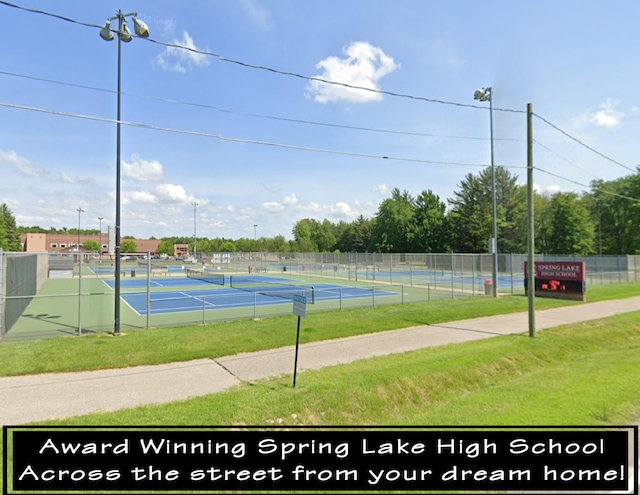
575 61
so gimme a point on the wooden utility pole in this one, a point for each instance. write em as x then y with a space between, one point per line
531 285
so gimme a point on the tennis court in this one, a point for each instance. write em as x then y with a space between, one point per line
248 292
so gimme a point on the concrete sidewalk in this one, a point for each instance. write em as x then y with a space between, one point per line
25 399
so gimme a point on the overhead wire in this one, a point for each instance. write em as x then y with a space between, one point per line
637 200
565 133
318 79
273 70
563 158
239 140
254 115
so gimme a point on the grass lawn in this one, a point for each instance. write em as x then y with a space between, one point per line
579 374
164 345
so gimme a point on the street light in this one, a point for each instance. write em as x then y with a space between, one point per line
195 248
107 34
486 94
100 238
79 210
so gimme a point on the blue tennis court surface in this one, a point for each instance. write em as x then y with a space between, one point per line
178 301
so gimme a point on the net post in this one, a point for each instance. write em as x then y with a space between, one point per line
79 292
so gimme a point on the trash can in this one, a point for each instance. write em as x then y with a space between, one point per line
133 273
284 268
488 287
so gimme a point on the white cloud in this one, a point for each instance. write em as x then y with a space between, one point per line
272 207
608 115
382 190
143 170
141 197
257 14
23 165
291 200
341 208
180 60
364 65
173 193
547 190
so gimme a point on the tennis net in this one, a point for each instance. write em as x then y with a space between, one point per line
210 277
275 288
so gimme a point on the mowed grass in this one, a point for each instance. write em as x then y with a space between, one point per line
164 345
581 374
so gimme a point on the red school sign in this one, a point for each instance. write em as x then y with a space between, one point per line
559 270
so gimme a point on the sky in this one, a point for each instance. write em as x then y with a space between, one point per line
258 150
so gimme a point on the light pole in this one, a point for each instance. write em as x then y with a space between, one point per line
486 94
195 247
255 232
124 34
100 238
79 210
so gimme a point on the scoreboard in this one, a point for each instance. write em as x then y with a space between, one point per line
559 279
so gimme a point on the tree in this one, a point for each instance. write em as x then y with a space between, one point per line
91 245
165 247
355 236
228 247
9 235
471 213
128 246
431 228
542 223
570 230
392 231
615 213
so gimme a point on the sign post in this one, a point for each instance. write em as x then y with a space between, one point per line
299 309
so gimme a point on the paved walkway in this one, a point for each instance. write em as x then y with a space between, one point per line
25 399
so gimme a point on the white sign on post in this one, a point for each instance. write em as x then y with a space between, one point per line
299 305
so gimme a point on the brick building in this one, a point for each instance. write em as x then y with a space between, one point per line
55 243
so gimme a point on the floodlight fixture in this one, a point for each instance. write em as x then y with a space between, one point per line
483 94
140 28
106 33
125 34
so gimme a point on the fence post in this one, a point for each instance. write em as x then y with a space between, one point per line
79 292
2 332
452 272
148 289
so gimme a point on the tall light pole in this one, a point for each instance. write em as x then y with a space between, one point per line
195 247
255 232
100 237
486 94
79 210
124 34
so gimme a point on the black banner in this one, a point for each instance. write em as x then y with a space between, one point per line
404 459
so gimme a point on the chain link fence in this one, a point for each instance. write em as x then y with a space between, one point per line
46 294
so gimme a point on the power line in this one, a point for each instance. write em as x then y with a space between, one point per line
563 158
273 70
241 140
254 115
585 185
583 144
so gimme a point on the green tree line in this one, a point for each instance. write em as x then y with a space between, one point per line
604 220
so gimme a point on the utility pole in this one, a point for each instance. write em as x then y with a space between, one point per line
531 284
